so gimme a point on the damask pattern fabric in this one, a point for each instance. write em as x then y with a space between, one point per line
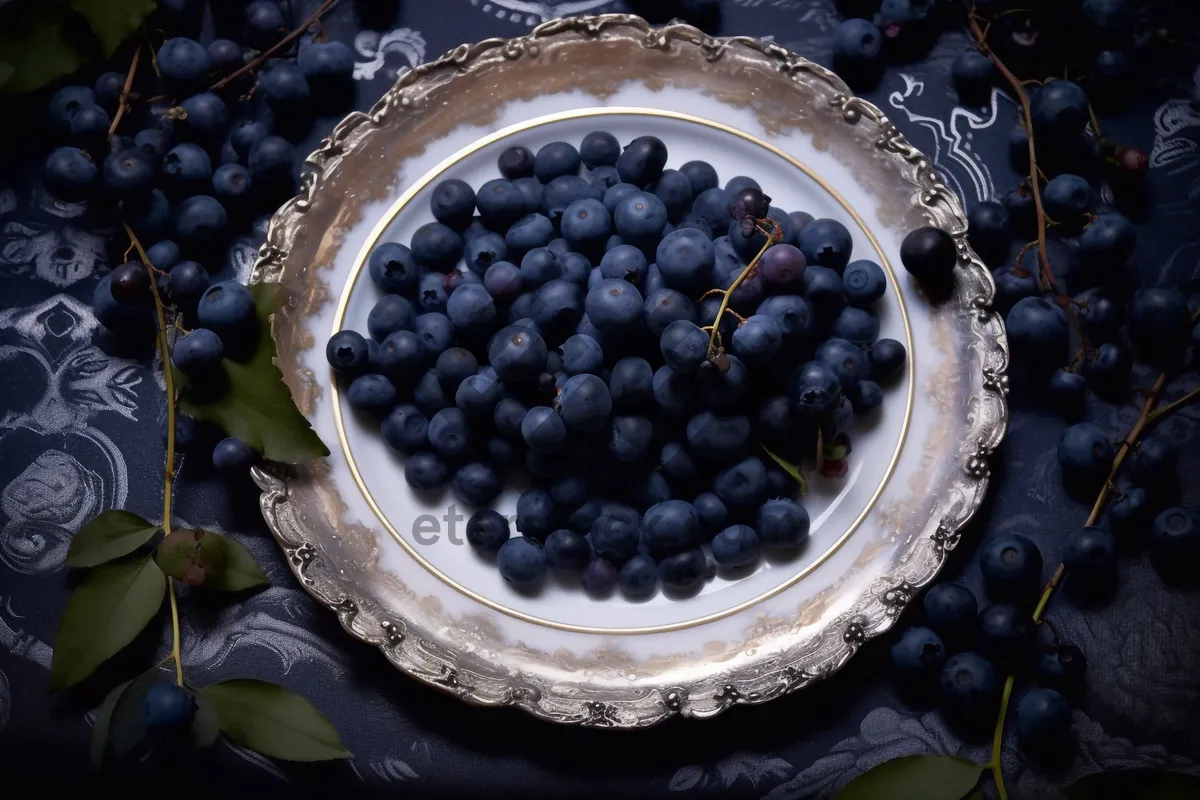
80 422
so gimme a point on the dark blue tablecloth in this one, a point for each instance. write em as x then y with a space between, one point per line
79 431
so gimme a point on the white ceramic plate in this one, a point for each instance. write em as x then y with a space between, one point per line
395 565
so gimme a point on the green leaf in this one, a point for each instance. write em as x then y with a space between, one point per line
127 731
789 468
258 407
35 46
103 719
834 452
113 20
110 607
915 778
273 721
239 572
1135 784
110 535
205 725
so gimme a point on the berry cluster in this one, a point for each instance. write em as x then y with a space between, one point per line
199 160
563 318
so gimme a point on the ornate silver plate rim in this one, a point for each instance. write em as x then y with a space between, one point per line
987 408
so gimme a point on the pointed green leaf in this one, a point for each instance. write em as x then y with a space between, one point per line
915 778
127 731
110 607
113 20
110 535
789 468
34 44
273 721
103 719
1135 784
258 406
238 572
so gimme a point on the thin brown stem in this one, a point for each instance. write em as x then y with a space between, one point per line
1095 123
123 102
750 269
996 765
1172 406
314 18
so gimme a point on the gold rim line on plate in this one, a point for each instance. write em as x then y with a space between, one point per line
561 116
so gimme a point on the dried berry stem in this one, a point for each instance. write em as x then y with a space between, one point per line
123 102
169 474
995 765
748 272
313 19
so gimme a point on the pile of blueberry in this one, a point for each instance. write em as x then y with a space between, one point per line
559 319
194 159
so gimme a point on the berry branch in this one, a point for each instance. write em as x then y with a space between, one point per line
313 19
169 473
123 102
749 272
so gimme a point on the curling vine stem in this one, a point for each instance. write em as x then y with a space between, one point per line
748 272
169 474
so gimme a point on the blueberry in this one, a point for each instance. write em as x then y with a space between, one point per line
586 404
1067 198
1043 721
544 430
600 577
736 546
556 159
516 162
1107 371
1090 556
673 391
631 384
865 397
558 308
201 222
586 225
405 429
1085 454
683 571
1102 317
233 456
794 315
675 191
813 390
271 162
392 268
718 438
63 105
1131 517
1005 634
758 339
500 204
684 346
712 205
826 243
517 353
702 176
206 120
89 126
487 531
476 484
226 55
968 682
782 523
435 332
244 135
529 232
186 283
503 281
1062 667
521 561
671 527
823 289
571 491
739 183
1012 568
198 353
1060 111
950 610
471 308
539 266
858 53
1013 285
437 246
167 706
232 186
453 203
227 308
576 267
563 191
1068 391
642 161
449 434
929 255
918 654
183 63
1160 326
630 438
1108 241
1175 544
426 471
567 550
847 361
615 308
1037 334
863 283
70 175
685 258
507 417
329 69
743 484
638 578
371 394
537 516
640 219
974 76
529 198
128 175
